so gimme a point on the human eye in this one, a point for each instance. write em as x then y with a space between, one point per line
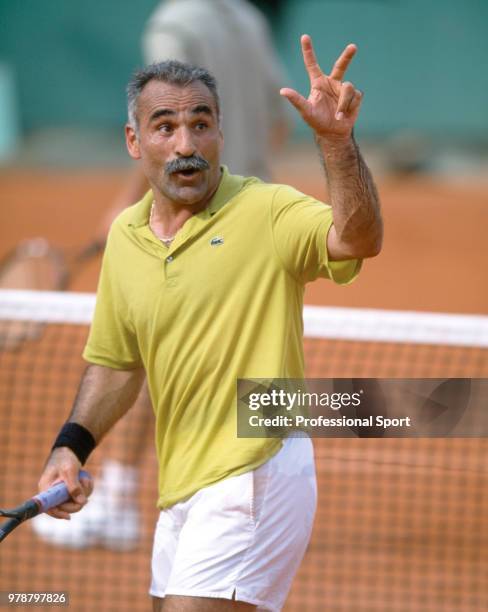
201 126
166 128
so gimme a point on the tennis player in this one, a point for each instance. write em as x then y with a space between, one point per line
202 283
230 38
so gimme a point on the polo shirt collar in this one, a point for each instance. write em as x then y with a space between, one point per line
229 186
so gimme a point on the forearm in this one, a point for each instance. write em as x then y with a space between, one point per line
358 229
104 396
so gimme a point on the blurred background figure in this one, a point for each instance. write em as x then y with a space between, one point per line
230 38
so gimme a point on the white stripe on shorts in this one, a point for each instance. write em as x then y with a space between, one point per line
241 537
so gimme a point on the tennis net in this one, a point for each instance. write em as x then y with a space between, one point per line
402 524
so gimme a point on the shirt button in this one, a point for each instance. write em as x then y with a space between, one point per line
169 259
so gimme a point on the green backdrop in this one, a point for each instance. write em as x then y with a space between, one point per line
422 64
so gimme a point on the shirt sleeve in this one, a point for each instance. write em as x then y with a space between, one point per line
300 225
112 341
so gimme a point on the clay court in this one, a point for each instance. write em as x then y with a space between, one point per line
434 256
402 525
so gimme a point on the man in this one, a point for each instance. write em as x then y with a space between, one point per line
231 39
202 283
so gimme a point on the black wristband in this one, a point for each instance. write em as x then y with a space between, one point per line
77 438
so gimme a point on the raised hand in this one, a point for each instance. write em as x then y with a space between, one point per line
332 106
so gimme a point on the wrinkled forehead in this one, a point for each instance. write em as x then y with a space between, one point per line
157 96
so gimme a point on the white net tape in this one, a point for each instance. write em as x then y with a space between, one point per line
361 324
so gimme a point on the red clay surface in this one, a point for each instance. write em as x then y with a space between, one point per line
434 257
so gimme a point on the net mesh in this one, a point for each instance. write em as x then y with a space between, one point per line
402 524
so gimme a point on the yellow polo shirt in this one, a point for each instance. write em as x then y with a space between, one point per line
223 302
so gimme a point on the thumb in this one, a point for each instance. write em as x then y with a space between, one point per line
70 475
298 101
87 484
74 486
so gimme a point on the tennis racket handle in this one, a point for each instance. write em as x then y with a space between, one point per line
55 495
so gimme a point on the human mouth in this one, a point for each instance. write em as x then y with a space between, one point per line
189 173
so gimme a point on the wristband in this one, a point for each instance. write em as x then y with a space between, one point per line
77 438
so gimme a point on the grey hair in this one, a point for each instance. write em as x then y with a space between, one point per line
172 72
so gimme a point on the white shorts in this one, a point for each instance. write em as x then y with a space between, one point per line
242 538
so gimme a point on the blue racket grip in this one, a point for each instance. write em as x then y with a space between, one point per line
55 495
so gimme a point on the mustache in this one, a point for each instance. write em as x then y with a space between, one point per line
194 162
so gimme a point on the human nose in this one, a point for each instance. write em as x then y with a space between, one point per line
185 147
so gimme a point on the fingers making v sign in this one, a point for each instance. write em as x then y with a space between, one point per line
332 106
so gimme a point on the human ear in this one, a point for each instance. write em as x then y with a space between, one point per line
132 142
